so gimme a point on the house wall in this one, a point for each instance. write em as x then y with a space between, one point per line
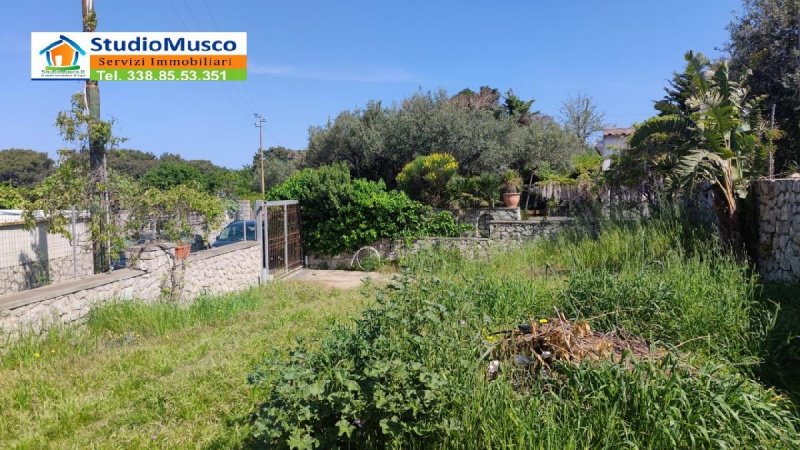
609 146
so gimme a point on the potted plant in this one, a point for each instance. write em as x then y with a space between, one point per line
512 181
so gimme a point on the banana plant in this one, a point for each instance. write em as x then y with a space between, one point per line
724 145
728 123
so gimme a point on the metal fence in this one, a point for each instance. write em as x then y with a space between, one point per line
31 258
278 230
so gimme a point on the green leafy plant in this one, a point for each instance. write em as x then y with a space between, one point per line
69 188
10 198
512 181
172 212
341 214
474 192
426 177
411 372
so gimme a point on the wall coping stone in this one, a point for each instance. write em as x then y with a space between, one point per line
210 253
536 220
443 238
23 298
770 180
19 299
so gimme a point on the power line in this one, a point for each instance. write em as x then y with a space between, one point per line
191 13
175 10
211 15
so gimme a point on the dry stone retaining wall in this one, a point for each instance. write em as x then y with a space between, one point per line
480 218
468 246
156 274
779 228
528 229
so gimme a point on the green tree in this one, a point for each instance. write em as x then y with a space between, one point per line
24 168
169 174
765 41
518 108
542 143
279 164
93 137
131 163
70 187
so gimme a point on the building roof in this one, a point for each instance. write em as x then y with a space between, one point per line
617 132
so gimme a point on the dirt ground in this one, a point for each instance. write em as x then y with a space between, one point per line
341 279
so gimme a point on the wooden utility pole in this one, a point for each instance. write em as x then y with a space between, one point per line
260 125
97 155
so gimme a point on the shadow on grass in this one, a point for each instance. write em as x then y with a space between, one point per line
781 366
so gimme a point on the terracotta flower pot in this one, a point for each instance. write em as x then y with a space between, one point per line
182 251
511 200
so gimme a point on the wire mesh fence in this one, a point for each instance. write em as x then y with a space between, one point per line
31 258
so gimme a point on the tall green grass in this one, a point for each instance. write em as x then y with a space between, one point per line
159 375
124 322
411 373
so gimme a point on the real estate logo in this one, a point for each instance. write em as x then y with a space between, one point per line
62 59
132 56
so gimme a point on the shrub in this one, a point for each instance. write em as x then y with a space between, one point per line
425 178
341 214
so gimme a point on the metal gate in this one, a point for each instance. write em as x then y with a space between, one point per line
279 235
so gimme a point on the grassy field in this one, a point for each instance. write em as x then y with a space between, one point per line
410 370
413 372
158 376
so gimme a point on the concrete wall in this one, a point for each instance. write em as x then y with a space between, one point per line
156 275
779 228
33 258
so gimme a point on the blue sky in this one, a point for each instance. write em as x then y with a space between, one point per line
308 60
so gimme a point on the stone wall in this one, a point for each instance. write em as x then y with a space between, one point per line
779 228
479 218
528 229
385 247
471 247
155 274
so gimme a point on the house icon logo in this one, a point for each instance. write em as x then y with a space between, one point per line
63 55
